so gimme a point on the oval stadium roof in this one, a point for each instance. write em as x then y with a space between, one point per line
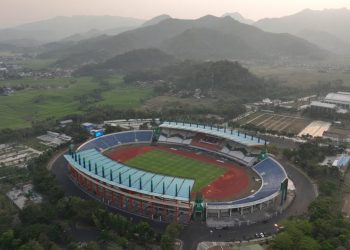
233 135
129 178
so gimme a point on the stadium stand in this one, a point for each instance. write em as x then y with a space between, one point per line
175 136
208 142
272 175
106 170
112 140
239 156
233 135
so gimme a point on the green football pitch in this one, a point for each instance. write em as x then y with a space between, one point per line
167 163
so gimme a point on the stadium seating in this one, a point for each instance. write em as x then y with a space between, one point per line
162 138
200 140
272 175
271 172
175 140
240 157
117 174
176 137
144 136
187 141
233 135
112 140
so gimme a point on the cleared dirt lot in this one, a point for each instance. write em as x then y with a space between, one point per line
316 129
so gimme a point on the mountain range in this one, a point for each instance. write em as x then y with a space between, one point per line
77 40
206 38
58 28
238 17
327 28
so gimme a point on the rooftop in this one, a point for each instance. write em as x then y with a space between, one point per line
233 135
323 105
100 167
23 196
343 97
342 162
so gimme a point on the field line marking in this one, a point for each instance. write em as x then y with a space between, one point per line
282 124
289 116
254 119
266 120
279 122
275 122
284 127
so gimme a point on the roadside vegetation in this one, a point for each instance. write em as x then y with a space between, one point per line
51 224
323 226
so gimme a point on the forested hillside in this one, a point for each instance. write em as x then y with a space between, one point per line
206 38
128 62
214 79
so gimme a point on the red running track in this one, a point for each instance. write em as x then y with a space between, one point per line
127 153
234 182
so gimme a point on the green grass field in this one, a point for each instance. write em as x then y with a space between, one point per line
56 98
167 163
36 64
299 78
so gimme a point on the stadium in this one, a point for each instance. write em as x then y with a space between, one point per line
181 172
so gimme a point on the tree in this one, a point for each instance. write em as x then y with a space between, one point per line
144 232
32 245
308 243
8 240
282 241
166 242
172 231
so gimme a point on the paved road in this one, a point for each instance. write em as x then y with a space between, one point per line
197 231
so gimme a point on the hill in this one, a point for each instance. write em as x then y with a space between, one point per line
225 38
61 27
237 16
219 80
327 28
156 20
131 61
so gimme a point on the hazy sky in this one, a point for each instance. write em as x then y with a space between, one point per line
13 12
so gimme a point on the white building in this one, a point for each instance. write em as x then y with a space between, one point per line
53 139
341 99
323 107
131 123
23 196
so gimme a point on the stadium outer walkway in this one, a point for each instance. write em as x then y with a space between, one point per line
198 231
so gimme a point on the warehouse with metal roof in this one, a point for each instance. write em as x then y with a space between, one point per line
341 99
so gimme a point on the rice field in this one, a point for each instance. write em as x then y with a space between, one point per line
56 98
